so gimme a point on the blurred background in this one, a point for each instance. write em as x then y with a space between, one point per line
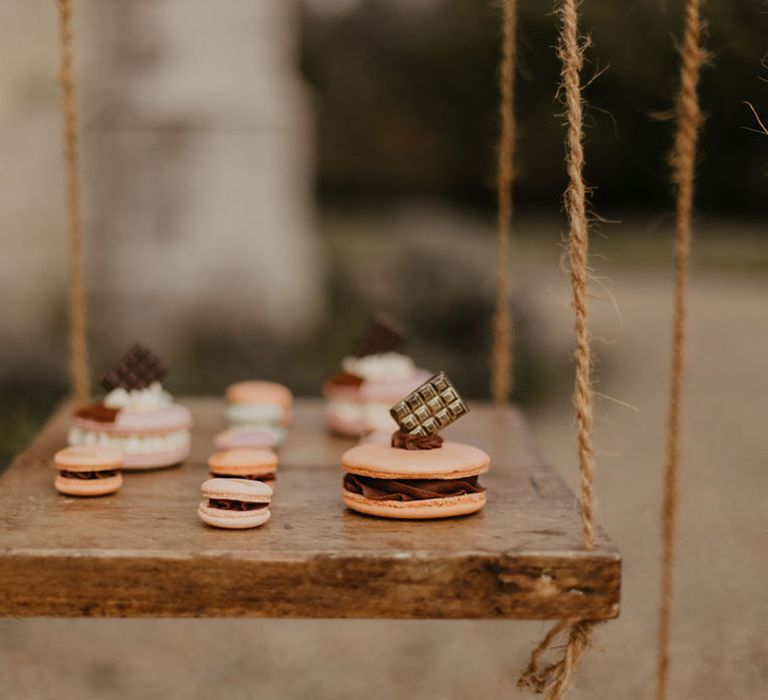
259 176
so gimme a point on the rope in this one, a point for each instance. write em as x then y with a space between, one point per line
571 52
683 162
501 378
78 350
555 678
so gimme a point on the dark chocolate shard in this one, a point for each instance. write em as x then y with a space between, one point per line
381 335
429 408
137 369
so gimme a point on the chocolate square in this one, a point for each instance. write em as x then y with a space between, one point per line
137 369
430 408
381 335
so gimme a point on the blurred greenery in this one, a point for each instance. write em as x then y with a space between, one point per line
406 97
27 399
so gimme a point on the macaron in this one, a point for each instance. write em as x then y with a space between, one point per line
390 482
149 438
88 470
356 406
256 464
259 403
234 504
250 436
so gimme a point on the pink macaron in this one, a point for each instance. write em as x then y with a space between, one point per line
137 415
150 438
249 436
259 403
357 406
257 464
234 504
344 407
88 471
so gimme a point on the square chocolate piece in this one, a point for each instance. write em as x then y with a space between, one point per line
429 408
137 369
381 335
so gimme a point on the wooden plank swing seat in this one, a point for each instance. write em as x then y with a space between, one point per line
143 552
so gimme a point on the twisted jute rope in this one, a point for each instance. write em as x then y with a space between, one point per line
554 679
683 161
502 361
78 349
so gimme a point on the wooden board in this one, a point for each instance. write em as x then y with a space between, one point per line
143 552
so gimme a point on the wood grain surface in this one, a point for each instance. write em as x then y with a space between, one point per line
143 551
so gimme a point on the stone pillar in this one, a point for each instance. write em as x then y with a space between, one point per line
198 169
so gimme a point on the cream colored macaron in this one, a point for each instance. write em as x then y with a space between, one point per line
235 504
88 470
391 482
259 403
244 463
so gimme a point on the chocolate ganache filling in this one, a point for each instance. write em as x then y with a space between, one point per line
408 441
104 474
344 379
410 489
227 504
98 413
263 477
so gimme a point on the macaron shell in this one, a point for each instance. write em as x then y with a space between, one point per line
381 461
232 520
242 471
158 420
244 456
429 509
243 490
87 487
249 436
272 483
87 458
245 461
255 414
260 392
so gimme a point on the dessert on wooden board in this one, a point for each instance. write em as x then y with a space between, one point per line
234 504
417 476
257 402
88 470
244 463
257 436
137 416
372 378
258 412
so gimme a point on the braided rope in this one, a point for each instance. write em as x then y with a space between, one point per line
78 349
571 51
555 678
683 162
501 377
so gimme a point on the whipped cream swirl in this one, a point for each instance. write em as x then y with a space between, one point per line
153 396
388 365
